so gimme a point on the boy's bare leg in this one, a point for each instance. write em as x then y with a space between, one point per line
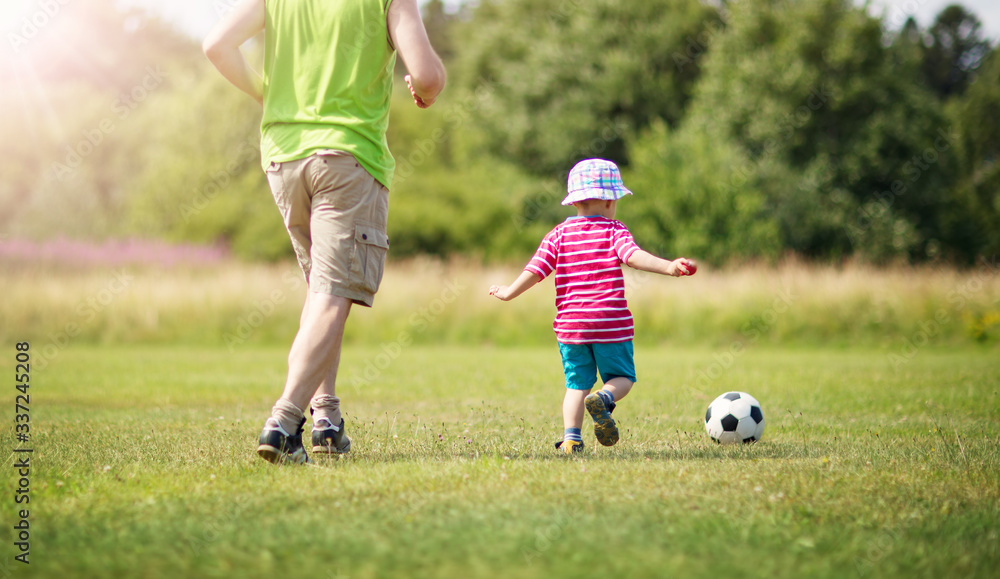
573 408
599 407
618 387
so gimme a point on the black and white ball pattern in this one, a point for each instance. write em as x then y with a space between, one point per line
735 417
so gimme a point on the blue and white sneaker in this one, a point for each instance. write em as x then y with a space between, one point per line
280 447
329 439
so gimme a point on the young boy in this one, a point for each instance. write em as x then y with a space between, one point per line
593 324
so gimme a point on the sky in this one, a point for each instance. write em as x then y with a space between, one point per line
197 17
897 11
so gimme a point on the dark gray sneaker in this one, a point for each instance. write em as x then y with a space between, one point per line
330 439
280 447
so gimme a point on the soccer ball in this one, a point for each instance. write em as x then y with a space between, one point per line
734 417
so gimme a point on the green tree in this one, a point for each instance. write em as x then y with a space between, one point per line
839 134
953 50
973 219
577 79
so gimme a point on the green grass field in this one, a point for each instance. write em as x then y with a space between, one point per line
144 466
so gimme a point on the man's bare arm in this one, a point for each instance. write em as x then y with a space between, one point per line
222 46
426 74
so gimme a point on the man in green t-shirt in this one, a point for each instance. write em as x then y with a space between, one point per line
325 91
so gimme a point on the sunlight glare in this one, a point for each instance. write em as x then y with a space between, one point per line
14 12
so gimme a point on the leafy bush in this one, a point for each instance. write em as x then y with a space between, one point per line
691 198
447 197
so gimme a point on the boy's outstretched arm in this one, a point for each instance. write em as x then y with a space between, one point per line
646 261
520 285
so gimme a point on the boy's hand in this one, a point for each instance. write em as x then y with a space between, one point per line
501 292
645 261
681 267
522 283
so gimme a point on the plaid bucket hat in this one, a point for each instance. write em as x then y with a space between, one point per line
594 179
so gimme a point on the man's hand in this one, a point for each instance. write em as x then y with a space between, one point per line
426 74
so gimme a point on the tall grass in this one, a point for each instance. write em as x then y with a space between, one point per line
238 304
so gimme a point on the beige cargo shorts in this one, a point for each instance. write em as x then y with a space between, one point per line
335 213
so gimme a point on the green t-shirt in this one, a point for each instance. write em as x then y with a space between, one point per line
327 81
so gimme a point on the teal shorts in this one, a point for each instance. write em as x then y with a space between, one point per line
581 363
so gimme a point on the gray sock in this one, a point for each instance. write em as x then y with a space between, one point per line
326 406
288 415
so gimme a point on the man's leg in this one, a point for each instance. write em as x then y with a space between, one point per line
325 403
331 208
328 387
315 353
314 357
329 434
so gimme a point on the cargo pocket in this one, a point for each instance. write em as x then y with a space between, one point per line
370 247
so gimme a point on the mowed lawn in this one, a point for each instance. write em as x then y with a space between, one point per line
145 466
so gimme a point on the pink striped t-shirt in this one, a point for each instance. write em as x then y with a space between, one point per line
586 254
